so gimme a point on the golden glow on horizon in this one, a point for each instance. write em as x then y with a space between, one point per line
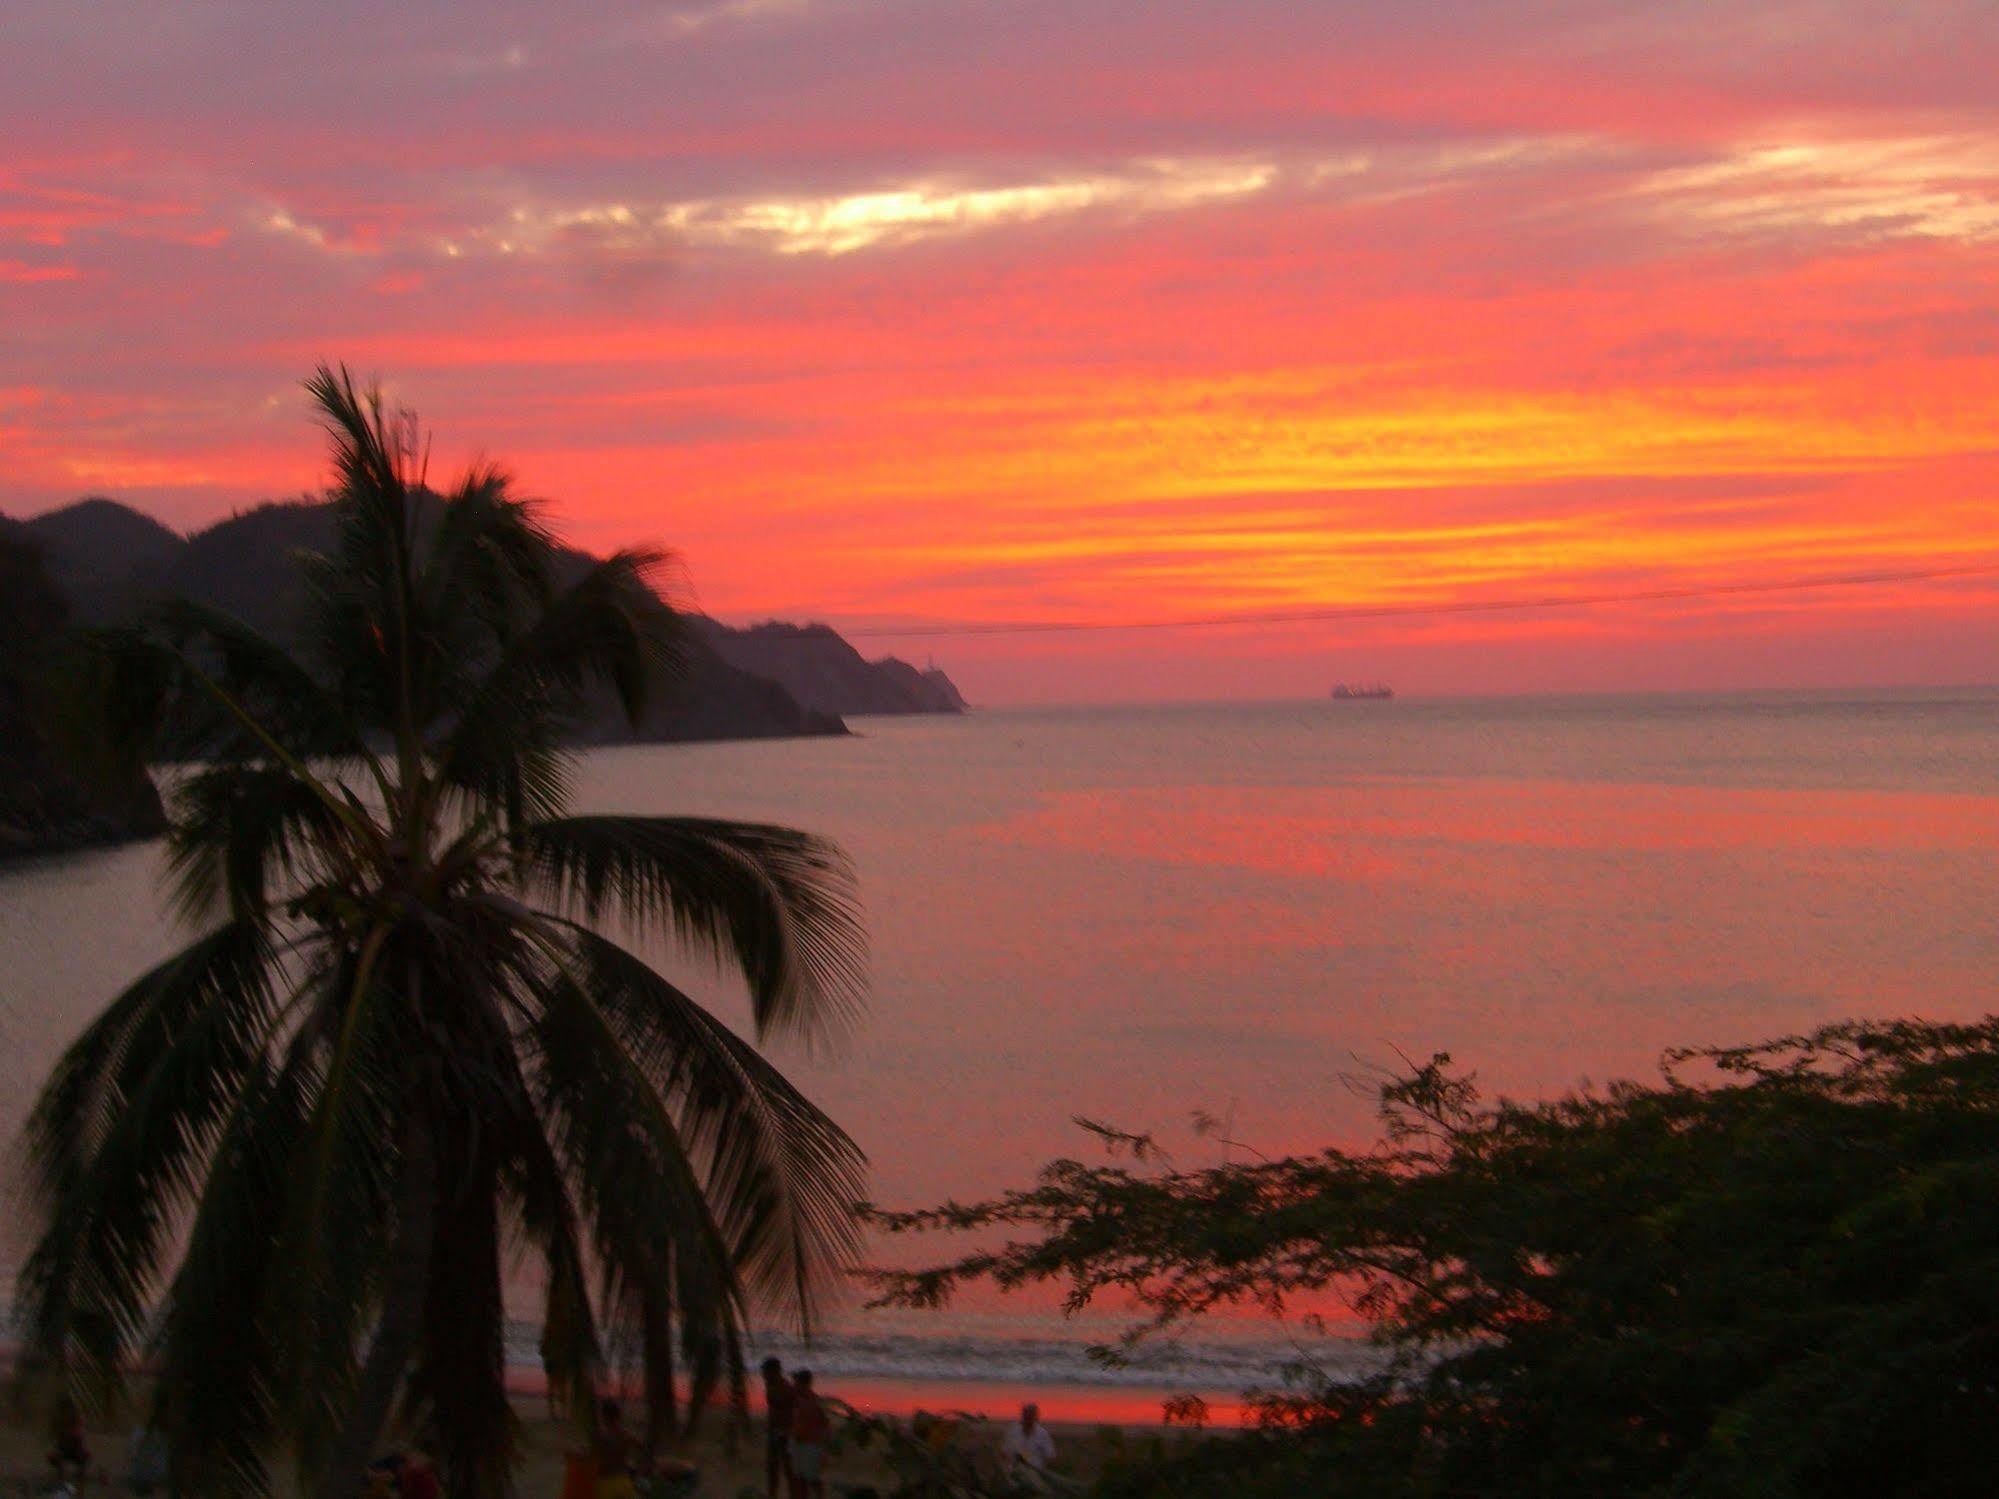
1296 431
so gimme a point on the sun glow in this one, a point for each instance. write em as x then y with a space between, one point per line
1187 315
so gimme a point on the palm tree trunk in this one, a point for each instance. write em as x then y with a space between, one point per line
463 1353
397 1329
657 1338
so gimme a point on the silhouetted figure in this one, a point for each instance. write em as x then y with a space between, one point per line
809 1432
68 1454
417 1477
616 1448
778 1405
146 1468
385 1476
1029 1450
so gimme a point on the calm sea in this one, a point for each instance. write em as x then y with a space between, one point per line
1135 914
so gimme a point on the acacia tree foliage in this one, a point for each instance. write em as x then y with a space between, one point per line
286 1165
1774 1272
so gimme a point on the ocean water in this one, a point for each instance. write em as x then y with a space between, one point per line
1135 914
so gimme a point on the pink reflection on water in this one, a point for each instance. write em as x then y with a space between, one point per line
1368 829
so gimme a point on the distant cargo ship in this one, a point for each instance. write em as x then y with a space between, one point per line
1348 692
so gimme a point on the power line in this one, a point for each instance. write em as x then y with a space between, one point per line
1467 606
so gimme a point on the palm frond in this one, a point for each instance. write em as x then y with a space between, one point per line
636 1182
235 827
572 1352
379 464
507 745
777 903
373 448
489 556
340 634
223 1372
783 1178
118 1140
711 1347
266 682
339 1214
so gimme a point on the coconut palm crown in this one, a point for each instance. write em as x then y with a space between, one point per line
290 1167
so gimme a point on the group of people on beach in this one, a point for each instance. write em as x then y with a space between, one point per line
410 1474
70 1463
796 1429
613 1465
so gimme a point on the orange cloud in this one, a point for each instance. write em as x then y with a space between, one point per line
1254 308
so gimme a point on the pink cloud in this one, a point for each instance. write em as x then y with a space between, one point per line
896 313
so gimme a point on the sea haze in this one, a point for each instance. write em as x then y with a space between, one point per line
1136 914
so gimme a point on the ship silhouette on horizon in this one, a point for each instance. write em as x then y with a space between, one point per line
1348 692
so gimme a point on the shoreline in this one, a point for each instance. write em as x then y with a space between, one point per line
1085 1407
730 1460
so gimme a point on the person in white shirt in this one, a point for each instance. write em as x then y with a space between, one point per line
1029 1450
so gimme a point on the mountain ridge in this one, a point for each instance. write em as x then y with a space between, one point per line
772 680
57 792
822 669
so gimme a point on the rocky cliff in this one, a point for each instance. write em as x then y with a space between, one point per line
823 671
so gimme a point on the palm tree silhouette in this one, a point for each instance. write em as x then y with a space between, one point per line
288 1163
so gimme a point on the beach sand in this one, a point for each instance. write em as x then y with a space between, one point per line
729 1468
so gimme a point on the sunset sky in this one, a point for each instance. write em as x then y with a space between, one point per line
900 313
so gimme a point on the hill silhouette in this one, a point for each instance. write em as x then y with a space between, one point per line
820 668
775 680
98 550
51 797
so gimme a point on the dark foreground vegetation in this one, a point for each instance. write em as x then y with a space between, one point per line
1773 1272
285 1170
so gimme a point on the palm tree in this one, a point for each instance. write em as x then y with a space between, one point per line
288 1164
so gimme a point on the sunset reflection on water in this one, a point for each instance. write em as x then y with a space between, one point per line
1133 915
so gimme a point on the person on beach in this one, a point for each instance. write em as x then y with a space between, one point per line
809 1430
615 1450
416 1476
68 1454
1029 1451
385 1476
146 1469
778 1405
